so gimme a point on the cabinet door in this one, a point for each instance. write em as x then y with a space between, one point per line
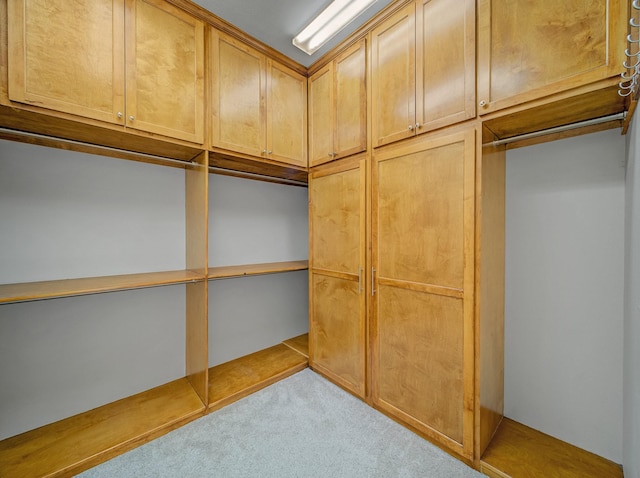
165 70
529 49
68 57
350 134
237 96
336 261
393 82
321 112
445 58
423 217
286 115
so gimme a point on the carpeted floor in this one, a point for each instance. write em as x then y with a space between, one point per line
303 426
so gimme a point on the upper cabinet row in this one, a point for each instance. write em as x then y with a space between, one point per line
135 63
423 69
259 106
139 65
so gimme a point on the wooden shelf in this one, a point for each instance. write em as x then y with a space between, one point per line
225 272
70 446
92 285
519 451
300 344
238 378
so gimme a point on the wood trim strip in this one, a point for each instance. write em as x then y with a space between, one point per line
427 288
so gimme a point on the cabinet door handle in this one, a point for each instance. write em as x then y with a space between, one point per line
373 278
131 118
270 152
264 151
410 127
119 115
418 125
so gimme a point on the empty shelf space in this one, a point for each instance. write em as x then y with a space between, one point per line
92 285
300 344
77 443
224 272
520 451
238 378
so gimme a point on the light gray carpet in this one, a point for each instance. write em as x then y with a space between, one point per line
303 426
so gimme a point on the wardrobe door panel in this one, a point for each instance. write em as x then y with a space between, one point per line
421 358
337 340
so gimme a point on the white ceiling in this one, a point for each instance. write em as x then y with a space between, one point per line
276 22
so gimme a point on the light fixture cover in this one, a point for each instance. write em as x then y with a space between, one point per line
328 23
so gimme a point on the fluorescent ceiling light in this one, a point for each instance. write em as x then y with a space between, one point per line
330 21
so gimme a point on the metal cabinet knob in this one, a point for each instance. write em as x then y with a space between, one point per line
483 104
410 127
119 115
131 118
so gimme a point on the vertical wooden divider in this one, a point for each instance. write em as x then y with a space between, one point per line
490 244
197 303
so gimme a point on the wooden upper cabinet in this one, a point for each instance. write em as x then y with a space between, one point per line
445 62
286 115
338 107
165 70
423 69
258 106
528 50
393 81
237 97
77 58
68 59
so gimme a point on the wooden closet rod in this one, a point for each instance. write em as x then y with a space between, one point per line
558 129
51 141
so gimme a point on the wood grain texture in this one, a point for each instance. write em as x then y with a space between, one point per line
92 285
238 90
335 215
489 307
321 116
350 101
593 101
300 344
422 324
337 324
445 62
72 445
338 331
532 49
238 378
68 59
165 70
393 81
420 209
286 115
518 451
338 107
420 358
224 272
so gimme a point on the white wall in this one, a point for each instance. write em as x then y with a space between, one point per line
253 222
564 290
64 215
67 214
632 307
